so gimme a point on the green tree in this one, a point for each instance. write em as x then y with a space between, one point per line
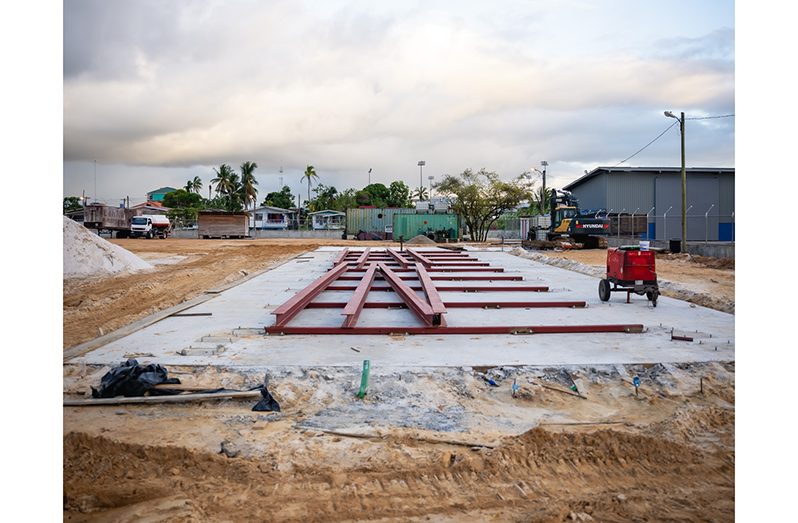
182 199
362 198
223 180
309 175
248 183
379 194
282 198
325 198
72 203
482 197
346 200
420 194
196 185
398 195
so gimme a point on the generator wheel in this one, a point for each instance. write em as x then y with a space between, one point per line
652 297
604 290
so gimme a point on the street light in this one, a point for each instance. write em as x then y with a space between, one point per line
543 164
669 114
369 175
430 178
421 165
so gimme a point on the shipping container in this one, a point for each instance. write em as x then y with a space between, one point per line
218 224
372 222
441 227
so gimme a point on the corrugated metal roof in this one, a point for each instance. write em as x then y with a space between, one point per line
659 170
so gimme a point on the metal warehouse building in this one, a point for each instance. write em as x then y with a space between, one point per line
656 192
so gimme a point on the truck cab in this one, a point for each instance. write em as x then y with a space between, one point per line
150 226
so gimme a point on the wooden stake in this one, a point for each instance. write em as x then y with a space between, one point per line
180 398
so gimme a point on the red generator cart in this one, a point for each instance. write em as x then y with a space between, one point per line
630 270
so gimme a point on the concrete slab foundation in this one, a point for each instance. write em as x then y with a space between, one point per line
228 330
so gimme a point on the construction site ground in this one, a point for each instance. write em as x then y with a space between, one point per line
441 439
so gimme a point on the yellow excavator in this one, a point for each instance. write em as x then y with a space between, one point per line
568 222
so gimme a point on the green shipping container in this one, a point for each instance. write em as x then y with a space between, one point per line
441 227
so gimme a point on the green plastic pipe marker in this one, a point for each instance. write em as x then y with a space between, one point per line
364 379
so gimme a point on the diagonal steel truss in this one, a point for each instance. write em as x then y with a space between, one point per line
391 266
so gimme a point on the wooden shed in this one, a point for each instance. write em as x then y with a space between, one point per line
223 224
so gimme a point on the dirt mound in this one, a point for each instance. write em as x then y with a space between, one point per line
535 473
86 254
705 261
420 240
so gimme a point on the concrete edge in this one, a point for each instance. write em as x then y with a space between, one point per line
88 346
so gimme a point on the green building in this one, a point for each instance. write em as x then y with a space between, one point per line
158 194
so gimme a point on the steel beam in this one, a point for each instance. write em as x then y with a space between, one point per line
361 261
292 307
457 304
421 309
469 330
430 291
446 269
449 278
358 299
419 257
341 256
398 258
458 288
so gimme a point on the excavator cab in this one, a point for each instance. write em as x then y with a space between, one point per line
562 219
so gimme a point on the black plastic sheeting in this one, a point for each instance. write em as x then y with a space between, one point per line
131 380
268 403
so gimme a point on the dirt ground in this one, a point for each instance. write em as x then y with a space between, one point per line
424 445
443 446
184 269
713 276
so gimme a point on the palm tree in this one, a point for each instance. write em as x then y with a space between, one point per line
196 185
420 194
309 175
248 183
222 180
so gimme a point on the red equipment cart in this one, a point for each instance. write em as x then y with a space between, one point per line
630 270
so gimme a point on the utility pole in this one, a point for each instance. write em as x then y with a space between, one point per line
421 165
95 180
669 114
544 164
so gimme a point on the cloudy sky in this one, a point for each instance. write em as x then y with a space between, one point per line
157 92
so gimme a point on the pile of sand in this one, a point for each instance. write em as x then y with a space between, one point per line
86 254
420 240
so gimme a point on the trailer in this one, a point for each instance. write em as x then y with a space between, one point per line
222 224
104 218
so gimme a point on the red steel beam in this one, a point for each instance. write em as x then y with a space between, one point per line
419 257
362 258
470 330
358 299
341 256
457 304
430 291
458 288
446 269
399 258
421 309
503 277
293 306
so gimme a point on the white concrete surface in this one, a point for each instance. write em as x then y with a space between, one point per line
233 335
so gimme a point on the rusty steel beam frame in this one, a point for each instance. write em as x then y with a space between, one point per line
421 309
458 288
358 299
469 330
294 306
458 305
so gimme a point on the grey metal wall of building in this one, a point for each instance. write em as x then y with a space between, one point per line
726 188
630 192
592 194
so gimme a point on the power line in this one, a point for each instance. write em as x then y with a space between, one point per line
710 117
649 143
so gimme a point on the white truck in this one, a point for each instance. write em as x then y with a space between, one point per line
150 226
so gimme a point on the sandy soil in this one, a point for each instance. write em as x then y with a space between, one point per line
440 444
707 275
445 446
184 269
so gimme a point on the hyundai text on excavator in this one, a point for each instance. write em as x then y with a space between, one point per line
589 228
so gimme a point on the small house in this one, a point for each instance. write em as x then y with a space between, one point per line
328 220
158 194
268 217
